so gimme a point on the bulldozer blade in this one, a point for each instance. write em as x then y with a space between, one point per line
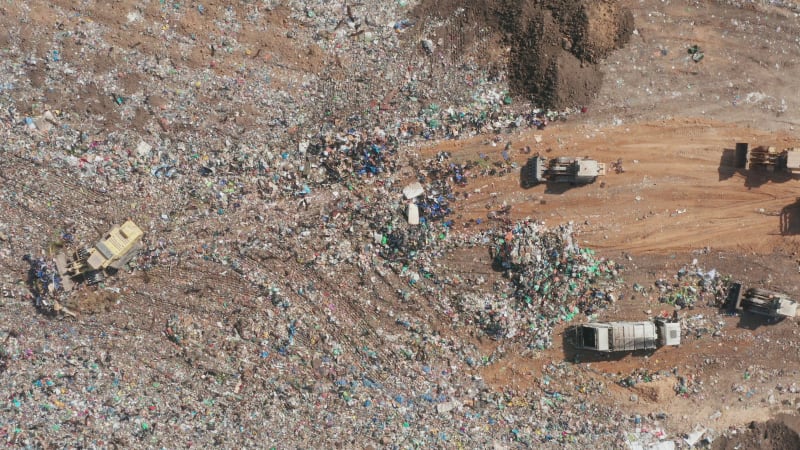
61 266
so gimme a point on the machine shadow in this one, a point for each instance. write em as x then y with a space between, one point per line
727 164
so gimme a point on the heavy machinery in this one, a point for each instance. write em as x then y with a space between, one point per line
627 336
565 169
110 253
764 302
793 160
767 158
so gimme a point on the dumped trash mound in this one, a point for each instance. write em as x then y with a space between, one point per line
93 302
770 435
555 45
554 280
691 286
659 390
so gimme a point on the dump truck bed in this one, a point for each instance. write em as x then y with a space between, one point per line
617 336
627 336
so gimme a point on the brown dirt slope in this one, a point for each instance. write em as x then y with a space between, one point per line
554 45
771 435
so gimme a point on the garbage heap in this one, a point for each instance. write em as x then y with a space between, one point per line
693 284
45 283
553 278
353 152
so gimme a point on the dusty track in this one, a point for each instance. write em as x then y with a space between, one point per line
679 191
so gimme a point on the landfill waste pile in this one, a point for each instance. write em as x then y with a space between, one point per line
45 283
641 376
693 285
249 332
554 280
243 315
552 48
313 273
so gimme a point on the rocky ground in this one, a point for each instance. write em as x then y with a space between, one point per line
282 300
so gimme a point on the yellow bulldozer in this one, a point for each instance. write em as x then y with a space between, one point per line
92 264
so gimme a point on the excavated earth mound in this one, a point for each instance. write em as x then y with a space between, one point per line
771 435
554 46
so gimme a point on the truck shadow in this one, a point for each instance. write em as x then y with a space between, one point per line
727 165
559 188
754 178
527 175
750 321
575 355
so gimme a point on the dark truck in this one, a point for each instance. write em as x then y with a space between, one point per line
564 169
760 301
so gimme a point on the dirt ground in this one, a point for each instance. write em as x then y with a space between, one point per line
671 121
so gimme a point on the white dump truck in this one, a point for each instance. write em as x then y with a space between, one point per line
627 336
565 169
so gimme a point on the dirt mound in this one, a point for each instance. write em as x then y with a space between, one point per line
93 302
554 45
776 434
656 391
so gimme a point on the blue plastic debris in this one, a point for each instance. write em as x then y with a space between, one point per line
402 25
164 170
